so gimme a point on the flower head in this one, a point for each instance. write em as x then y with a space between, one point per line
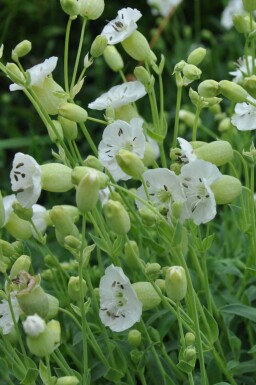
121 135
6 321
122 26
119 95
119 305
26 179
38 73
196 178
244 117
242 70
163 7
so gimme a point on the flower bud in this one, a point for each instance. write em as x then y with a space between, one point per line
147 295
45 343
134 338
250 85
176 283
226 189
55 134
233 91
208 88
93 162
148 216
191 72
190 353
69 128
113 58
149 155
34 325
152 270
51 95
98 46
67 380
22 212
117 217
242 23
79 172
188 118
15 74
18 228
87 192
218 152
249 5
225 125
126 113
130 163
74 288
70 7
21 49
91 9
131 253
64 224
6 248
161 284
23 263
136 45
73 112
142 75
189 339
56 177
196 56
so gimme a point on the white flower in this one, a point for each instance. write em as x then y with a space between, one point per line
187 152
242 71
38 73
121 135
39 219
233 7
119 95
104 195
120 307
196 178
244 118
34 325
26 179
6 321
164 188
122 26
8 202
163 7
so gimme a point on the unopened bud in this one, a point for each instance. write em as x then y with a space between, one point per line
45 343
218 152
188 118
22 212
64 224
79 172
69 128
148 216
136 45
226 189
67 380
117 217
98 46
225 125
91 9
93 162
73 112
23 263
147 295
196 56
134 338
250 85
56 177
161 284
191 72
176 283
142 75
190 353
18 228
233 91
74 288
113 58
131 253
152 270
189 339
242 23
149 155
88 191
208 88
130 163
249 5
70 7
15 74
21 49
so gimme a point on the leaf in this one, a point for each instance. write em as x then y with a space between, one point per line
212 331
240 310
76 309
101 243
87 253
30 377
118 246
185 366
252 350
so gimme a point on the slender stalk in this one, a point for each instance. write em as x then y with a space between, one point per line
66 54
78 55
177 111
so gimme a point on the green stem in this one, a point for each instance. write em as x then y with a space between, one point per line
66 54
78 55
195 124
88 138
177 112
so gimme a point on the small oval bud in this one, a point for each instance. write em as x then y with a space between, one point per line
69 128
142 75
18 228
73 112
250 85
87 192
136 45
93 162
113 58
242 23
74 288
148 216
225 125
67 380
134 338
189 353
218 152
161 284
91 9
176 283
56 177
196 56
117 217
149 155
147 295
226 189
79 172
22 212
64 224
130 163
15 74
23 263
21 49
98 46
188 118
152 270
55 134
131 253
233 91
189 339
191 72
208 88
70 7
45 343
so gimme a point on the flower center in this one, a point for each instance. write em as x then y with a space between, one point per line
119 300
196 191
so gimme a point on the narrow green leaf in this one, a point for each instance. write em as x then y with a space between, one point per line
240 310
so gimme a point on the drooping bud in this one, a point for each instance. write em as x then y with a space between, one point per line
136 45
218 152
56 177
196 56
117 217
188 118
233 91
69 128
55 134
113 58
79 172
176 283
21 49
147 295
208 88
23 263
130 163
191 72
45 343
91 9
134 338
143 76
88 191
73 112
226 189
98 46
74 288
70 7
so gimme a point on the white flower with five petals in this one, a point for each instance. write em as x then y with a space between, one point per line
122 26
121 135
120 307
244 118
119 96
26 179
196 178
